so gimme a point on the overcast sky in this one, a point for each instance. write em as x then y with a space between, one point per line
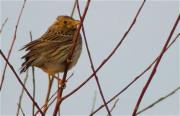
105 24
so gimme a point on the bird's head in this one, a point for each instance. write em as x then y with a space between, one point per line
65 24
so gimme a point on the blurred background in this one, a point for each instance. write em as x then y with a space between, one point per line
105 24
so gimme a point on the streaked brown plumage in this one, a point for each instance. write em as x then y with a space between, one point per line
50 51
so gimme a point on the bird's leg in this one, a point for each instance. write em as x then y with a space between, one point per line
50 81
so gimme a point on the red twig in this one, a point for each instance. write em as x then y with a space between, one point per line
12 44
155 67
109 56
135 79
20 82
92 65
61 88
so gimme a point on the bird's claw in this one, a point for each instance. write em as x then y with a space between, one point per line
62 84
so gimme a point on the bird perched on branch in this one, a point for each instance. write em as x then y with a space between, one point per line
50 51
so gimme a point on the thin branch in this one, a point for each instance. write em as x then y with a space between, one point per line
57 87
155 67
74 7
108 57
12 44
21 95
50 82
70 77
34 82
92 65
158 101
94 101
114 105
21 83
136 78
34 88
75 37
3 25
19 106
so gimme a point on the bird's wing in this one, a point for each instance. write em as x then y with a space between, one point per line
50 47
48 38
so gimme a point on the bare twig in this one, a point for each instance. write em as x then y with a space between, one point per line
159 100
50 82
70 77
156 66
3 25
75 37
74 7
114 105
136 78
19 106
92 65
21 83
108 57
34 82
94 101
58 87
21 95
12 44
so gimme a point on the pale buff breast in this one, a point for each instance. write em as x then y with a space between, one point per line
56 67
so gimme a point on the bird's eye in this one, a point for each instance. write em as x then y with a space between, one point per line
65 22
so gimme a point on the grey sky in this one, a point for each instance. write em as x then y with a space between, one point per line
105 24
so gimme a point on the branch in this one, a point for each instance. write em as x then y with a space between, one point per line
94 101
50 83
74 7
92 65
21 95
156 66
109 56
136 78
3 25
75 37
34 82
12 44
158 101
114 105
19 106
21 83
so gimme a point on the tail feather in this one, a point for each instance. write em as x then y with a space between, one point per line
28 57
26 64
30 45
23 69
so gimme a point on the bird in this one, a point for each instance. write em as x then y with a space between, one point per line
51 50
